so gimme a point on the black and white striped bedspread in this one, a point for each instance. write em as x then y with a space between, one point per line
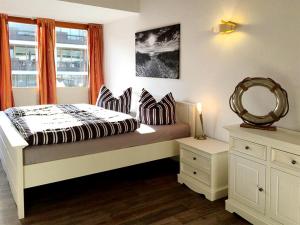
53 124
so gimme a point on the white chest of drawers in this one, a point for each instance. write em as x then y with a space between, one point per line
203 166
264 175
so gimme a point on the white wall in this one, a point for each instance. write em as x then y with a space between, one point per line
29 96
267 44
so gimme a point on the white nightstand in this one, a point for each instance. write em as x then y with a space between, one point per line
204 166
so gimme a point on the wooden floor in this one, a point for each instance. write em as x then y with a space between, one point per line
139 195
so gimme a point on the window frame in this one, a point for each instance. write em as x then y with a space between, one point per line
57 23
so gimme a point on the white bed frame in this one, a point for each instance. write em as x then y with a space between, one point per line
22 176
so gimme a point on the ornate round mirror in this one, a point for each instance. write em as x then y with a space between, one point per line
259 100
266 97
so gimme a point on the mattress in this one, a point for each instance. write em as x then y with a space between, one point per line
54 124
146 134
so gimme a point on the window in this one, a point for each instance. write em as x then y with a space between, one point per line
71 57
23 53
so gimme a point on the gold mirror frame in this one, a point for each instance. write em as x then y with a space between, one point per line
280 110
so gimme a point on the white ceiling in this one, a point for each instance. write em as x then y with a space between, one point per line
62 11
127 5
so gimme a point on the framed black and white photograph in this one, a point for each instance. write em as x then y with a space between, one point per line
158 52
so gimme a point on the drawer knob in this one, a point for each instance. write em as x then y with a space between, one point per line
194 172
194 158
260 189
247 147
294 162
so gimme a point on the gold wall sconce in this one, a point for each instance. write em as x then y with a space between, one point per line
225 27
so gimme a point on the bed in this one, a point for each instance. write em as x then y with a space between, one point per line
31 166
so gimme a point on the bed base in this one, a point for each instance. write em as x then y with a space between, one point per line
22 176
11 153
58 170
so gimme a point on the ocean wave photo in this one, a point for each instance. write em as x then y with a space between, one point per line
158 52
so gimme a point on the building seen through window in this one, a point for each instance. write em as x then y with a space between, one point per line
23 53
71 56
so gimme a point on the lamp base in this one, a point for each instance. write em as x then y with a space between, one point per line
269 128
201 137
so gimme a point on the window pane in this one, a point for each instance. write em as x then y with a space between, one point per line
21 31
23 54
71 60
71 57
71 36
23 80
23 57
71 79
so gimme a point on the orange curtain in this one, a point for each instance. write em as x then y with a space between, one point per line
96 80
46 61
6 95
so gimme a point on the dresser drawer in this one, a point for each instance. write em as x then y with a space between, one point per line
288 159
196 173
250 148
195 160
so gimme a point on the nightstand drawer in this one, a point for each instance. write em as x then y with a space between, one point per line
288 159
195 160
249 148
196 173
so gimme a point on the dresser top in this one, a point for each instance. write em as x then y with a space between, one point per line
210 146
281 137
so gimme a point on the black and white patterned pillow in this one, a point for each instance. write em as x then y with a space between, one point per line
157 113
108 101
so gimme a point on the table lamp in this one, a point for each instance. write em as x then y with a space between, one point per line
199 135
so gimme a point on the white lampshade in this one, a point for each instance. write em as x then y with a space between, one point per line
199 130
199 107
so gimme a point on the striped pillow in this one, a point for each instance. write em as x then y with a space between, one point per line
157 113
108 101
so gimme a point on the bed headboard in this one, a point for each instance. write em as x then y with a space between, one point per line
186 113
